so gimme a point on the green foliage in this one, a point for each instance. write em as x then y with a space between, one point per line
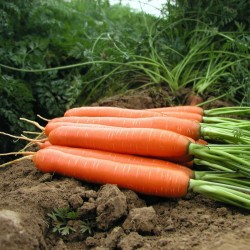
57 95
224 15
60 218
16 101
198 44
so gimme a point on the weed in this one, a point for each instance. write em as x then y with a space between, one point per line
60 218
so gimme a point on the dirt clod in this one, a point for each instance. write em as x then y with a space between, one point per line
75 201
111 206
131 241
113 237
142 220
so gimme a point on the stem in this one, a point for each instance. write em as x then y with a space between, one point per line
219 156
222 193
225 178
211 165
227 111
223 134
215 120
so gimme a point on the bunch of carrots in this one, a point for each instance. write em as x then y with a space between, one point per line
165 152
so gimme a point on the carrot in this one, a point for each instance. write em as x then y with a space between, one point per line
184 127
145 142
128 113
122 158
220 122
166 181
187 109
150 142
149 180
52 125
183 161
110 112
143 179
192 129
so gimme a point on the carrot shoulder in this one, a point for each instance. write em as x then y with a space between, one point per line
143 179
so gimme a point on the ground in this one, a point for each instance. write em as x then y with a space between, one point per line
109 217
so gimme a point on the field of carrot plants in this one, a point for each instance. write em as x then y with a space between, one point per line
122 130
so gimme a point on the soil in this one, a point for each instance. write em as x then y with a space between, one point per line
109 217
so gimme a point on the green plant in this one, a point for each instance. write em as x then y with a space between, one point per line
60 218
16 101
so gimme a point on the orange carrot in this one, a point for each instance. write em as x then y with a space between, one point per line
187 109
145 179
128 113
52 125
181 126
110 112
122 158
150 142
145 142
150 180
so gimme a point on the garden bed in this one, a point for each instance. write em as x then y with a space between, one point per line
108 217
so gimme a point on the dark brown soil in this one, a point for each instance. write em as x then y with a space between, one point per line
114 218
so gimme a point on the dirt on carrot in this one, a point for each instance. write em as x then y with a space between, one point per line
47 211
